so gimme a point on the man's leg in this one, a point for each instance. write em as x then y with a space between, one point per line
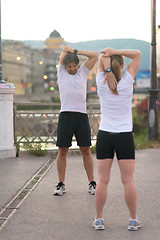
61 168
88 162
61 163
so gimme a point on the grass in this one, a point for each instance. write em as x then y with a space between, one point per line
141 141
141 131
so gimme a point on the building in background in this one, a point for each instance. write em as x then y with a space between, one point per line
55 42
34 71
54 45
22 66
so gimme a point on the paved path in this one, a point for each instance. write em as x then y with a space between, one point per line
43 216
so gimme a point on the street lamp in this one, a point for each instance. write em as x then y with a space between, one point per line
0 47
153 98
1 81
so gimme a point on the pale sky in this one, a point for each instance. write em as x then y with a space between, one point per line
77 21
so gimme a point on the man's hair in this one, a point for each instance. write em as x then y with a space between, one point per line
70 57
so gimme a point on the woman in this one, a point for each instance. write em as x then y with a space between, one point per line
115 130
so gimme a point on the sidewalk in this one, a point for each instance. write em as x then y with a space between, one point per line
43 216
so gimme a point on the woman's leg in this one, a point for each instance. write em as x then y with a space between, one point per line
104 167
127 167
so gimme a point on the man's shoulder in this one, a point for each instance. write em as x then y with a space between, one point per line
61 67
83 68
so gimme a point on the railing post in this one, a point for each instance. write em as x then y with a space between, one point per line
7 148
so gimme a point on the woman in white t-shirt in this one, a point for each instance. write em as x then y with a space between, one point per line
115 130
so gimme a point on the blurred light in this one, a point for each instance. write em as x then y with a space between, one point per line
45 77
90 76
94 71
46 85
51 83
93 89
51 88
24 84
18 58
40 62
57 65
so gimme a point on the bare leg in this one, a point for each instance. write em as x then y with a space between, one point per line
127 170
104 167
61 163
88 162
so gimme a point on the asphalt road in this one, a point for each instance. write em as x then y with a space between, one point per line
43 216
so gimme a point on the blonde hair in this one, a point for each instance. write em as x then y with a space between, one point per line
116 62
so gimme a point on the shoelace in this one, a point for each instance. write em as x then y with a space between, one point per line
132 222
93 183
59 185
99 220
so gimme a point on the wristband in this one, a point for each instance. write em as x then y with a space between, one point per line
108 69
75 51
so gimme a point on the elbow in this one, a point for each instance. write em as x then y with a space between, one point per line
96 55
139 53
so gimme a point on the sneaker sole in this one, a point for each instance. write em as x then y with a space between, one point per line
99 227
92 193
59 194
130 228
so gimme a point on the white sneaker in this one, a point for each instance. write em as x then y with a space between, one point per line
98 224
60 189
134 224
92 187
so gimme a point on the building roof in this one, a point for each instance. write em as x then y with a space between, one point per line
54 34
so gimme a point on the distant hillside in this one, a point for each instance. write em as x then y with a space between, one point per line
35 44
97 45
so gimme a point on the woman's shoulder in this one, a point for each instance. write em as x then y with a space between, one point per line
127 78
127 75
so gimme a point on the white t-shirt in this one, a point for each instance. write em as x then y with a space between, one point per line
116 110
72 89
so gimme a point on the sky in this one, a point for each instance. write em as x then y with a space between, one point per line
77 21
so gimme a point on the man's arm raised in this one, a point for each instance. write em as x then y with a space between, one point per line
64 52
92 58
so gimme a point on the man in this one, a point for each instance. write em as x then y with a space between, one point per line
73 119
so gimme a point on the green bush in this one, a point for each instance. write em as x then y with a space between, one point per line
37 149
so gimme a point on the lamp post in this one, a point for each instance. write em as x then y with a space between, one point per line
1 81
0 47
153 98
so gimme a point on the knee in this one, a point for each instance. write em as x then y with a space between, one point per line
62 151
85 151
104 181
127 179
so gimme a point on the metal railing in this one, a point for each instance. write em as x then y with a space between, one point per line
37 122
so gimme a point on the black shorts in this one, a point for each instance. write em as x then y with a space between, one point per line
73 123
120 143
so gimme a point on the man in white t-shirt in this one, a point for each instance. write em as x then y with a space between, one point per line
73 119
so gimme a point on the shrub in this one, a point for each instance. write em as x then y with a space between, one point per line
35 148
140 116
